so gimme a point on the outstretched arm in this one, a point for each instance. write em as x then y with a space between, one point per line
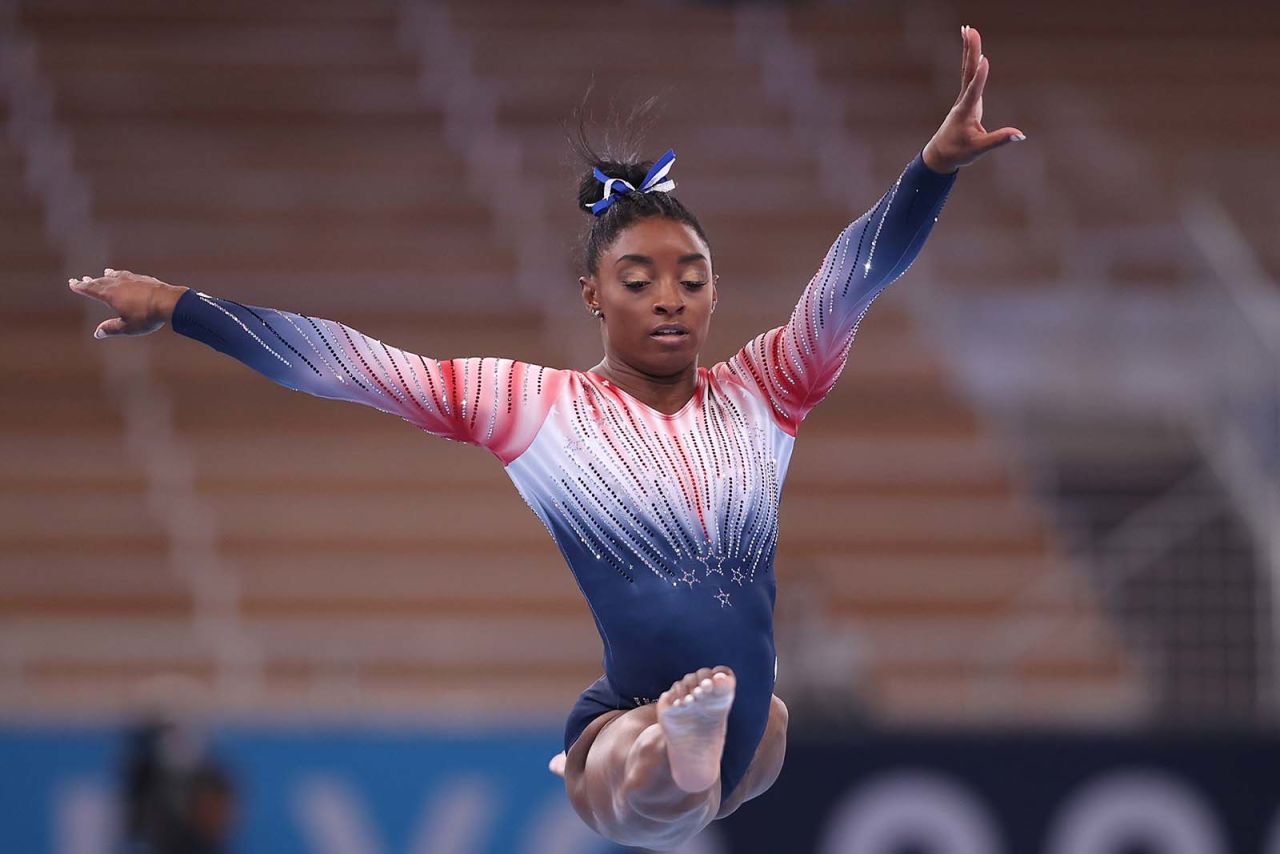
495 403
469 400
795 365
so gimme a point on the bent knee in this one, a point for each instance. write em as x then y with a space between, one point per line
778 714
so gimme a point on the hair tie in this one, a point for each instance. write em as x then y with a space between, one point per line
615 188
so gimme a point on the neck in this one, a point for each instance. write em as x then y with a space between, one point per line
667 394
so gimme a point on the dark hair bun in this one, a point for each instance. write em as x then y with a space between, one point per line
619 158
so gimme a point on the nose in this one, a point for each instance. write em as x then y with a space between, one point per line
670 301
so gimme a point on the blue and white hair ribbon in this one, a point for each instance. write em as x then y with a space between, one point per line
615 188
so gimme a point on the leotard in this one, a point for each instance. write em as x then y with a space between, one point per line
669 522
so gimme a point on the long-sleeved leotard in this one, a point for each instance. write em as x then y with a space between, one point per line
669 523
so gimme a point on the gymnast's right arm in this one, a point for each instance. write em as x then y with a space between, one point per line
496 403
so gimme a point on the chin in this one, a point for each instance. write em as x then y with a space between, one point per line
674 363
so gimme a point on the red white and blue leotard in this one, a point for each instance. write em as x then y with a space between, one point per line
668 522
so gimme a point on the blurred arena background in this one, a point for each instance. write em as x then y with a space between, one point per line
1030 544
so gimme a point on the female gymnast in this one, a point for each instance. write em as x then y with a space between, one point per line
658 479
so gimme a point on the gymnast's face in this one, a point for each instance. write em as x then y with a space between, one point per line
657 272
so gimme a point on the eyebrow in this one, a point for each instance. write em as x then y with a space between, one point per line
645 259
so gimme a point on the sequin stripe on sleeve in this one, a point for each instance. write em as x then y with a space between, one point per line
794 366
470 400
474 392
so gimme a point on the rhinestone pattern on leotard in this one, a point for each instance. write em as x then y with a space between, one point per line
669 522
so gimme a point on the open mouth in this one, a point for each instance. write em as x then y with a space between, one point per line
670 332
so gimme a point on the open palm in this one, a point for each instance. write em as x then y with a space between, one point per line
962 139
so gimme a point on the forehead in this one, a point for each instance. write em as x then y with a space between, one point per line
662 239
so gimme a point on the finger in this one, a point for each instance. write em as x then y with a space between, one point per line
973 50
87 286
997 138
964 57
108 328
973 93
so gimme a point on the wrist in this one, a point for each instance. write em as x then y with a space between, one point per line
164 299
936 163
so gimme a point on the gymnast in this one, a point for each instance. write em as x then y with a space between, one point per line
657 478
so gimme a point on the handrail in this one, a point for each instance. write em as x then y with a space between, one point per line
1255 303
145 405
1241 437
494 157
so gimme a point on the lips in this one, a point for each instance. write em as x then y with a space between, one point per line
669 330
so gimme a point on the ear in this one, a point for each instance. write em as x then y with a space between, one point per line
588 291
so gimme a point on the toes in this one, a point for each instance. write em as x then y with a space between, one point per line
704 682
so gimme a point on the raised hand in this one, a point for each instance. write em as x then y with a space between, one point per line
962 139
144 304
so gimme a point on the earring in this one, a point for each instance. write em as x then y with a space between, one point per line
597 312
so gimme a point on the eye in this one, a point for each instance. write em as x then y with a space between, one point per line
635 286
694 284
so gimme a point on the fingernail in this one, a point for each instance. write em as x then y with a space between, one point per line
97 333
1018 137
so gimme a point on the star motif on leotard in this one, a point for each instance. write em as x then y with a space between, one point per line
723 597
687 576
714 563
737 575
575 445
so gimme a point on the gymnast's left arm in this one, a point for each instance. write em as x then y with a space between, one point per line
795 365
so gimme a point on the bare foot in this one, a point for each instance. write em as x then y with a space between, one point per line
694 715
556 765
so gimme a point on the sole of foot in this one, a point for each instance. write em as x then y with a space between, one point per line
694 715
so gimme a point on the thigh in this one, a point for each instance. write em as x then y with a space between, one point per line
765 764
